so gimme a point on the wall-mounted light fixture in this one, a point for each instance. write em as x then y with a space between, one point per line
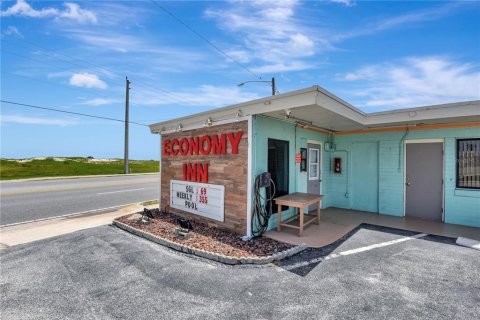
179 128
208 122
239 113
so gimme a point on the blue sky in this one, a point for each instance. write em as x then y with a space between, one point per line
75 55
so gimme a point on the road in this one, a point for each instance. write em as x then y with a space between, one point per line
106 273
27 200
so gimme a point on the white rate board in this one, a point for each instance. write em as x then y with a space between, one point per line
203 199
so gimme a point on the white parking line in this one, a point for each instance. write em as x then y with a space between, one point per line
353 251
99 194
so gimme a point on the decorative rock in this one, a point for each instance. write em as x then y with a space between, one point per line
187 248
182 233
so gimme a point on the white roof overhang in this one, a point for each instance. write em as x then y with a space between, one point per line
318 108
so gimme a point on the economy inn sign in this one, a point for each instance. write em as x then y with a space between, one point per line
194 194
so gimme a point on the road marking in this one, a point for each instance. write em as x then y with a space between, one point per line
15 193
70 215
353 251
98 194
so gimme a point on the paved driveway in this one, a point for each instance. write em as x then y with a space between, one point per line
105 273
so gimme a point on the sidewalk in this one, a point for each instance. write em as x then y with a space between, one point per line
336 222
33 231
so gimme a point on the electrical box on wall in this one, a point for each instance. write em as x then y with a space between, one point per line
303 159
337 165
329 146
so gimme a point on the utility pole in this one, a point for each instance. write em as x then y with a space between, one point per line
273 87
125 158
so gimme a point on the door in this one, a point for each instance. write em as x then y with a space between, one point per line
424 180
314 170
278 166
364 180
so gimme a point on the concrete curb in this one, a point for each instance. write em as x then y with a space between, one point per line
79 177
469 243
208 254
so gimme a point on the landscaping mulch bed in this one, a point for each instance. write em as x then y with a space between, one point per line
207 238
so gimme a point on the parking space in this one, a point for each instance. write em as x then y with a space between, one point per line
105 273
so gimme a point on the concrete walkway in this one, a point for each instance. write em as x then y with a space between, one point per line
335 223
33 231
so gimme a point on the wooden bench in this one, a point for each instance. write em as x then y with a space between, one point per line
300 201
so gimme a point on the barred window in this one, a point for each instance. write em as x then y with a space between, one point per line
468 163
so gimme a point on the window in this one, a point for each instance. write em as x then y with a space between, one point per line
313 164
468 163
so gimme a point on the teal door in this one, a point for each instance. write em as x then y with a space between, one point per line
364 182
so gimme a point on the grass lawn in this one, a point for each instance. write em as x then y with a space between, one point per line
52 167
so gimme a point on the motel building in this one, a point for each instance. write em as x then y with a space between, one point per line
418 163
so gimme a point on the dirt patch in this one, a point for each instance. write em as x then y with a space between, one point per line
208 238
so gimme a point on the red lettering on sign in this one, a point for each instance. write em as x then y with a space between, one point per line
195 172
234 139
204 145
184 146
202 172
185 172
174 143
219 146
206 150
191 172
166 147
193 145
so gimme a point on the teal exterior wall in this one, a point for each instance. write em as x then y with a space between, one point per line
372 178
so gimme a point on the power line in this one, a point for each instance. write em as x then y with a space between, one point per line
69 112
205 39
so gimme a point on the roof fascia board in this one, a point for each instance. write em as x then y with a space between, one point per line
289 100
468 109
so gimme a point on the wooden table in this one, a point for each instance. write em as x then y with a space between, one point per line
300 201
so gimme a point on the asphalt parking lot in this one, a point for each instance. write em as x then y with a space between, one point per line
374 273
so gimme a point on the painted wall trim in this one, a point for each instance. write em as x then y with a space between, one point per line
412 128
320 161
249 176
215 123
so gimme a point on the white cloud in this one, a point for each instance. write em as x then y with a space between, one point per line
202 96
20 119
12 31
407 19
72 12
347 3
101 101
271 34
415 81
283 67
22 8
87 80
